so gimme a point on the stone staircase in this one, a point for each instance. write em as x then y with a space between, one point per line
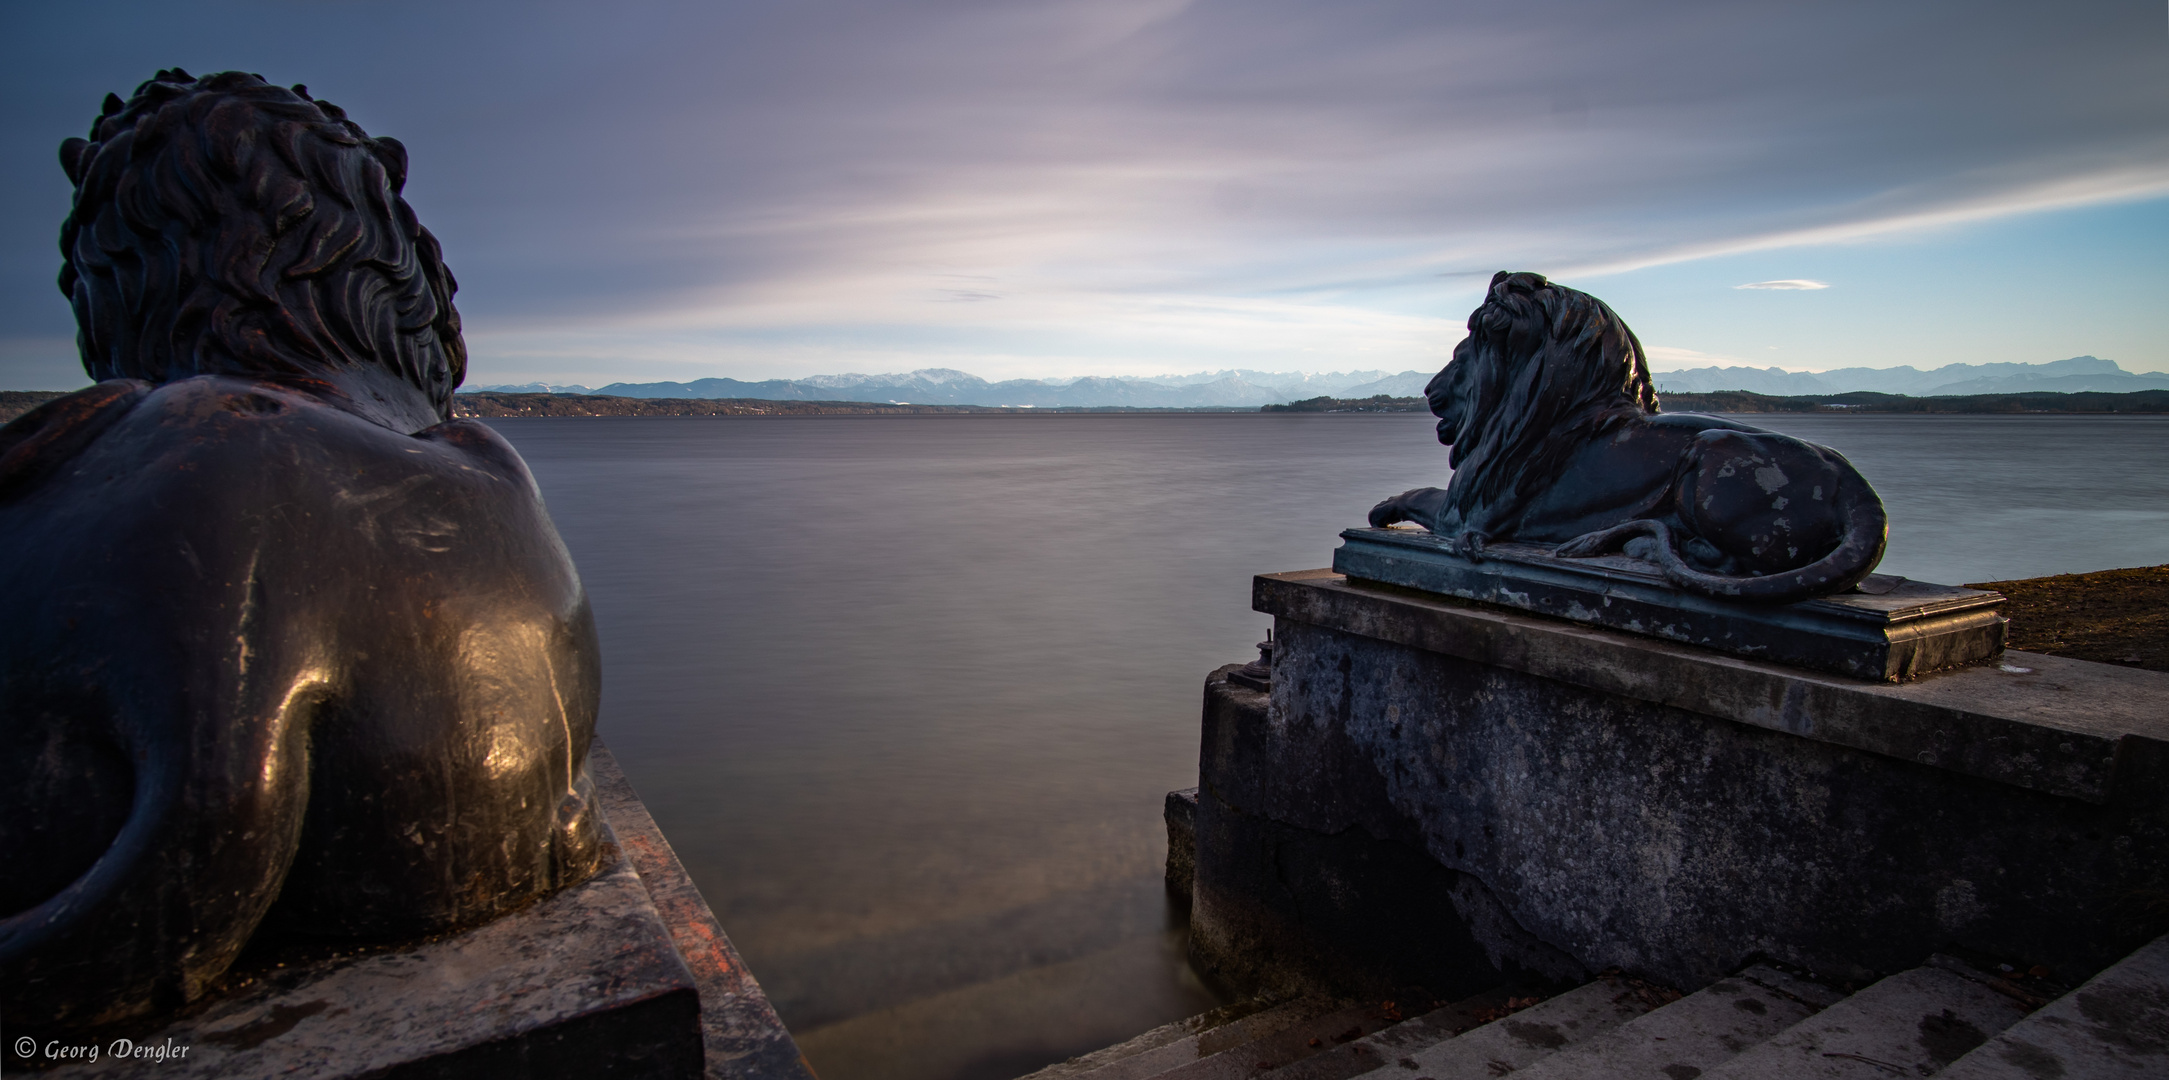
1943 1019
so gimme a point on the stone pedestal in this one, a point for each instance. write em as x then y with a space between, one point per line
1890 628
625 975
1454 794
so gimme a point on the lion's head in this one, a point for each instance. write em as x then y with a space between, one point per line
223 225
1544 368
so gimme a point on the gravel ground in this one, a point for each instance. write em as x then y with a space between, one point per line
2111 616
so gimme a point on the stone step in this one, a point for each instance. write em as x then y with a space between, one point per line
1395 1044
1518 1041
1684 1039
1293 1043
1151 1040
1911 1024
1176 1045
2115 1027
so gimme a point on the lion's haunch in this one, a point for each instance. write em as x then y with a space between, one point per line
1768 502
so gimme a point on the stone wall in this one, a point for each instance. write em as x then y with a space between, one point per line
1451 795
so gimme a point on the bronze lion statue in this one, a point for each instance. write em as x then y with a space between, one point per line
1556 439
285 651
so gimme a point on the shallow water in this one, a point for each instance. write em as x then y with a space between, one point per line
906 692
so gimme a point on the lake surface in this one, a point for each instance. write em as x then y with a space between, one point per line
906 692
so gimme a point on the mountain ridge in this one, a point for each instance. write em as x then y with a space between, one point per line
1235 388
1245 388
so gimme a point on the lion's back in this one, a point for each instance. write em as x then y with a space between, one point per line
244 544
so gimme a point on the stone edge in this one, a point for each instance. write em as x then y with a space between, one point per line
2074 1036
744 1037
253 1016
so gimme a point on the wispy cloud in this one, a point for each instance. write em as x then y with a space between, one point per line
1786 284
1131 179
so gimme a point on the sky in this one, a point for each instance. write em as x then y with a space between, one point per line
649 190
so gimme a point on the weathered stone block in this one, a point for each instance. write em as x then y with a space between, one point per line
1285 907
1181 815
584 984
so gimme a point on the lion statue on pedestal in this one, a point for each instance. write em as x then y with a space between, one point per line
284 648
1556 439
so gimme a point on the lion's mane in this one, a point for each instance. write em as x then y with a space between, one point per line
223 225
1553 368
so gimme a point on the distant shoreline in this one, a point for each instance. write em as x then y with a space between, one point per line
490 405
1862 402
493 404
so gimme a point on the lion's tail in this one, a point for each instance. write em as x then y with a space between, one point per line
1867 528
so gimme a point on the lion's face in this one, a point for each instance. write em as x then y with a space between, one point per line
1447 392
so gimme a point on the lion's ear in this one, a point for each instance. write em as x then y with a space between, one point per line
1505 283
1517 282
393 155
74 154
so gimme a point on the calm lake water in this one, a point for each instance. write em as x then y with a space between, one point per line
906 692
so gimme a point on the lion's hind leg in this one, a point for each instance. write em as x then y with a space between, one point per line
1651 541
1649 532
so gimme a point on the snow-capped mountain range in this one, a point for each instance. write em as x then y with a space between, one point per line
943 386
1250 389
2080 374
